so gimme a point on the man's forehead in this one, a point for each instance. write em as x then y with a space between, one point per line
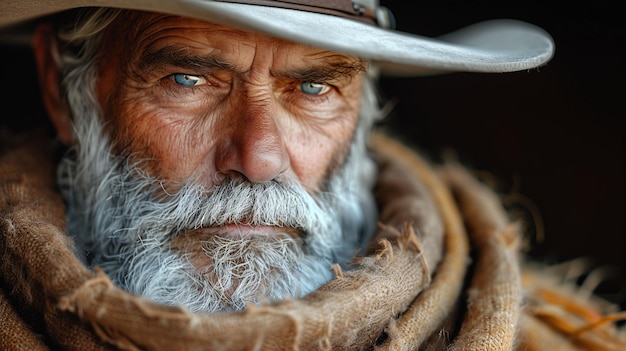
158 32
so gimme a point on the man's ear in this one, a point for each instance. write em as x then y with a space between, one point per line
48 66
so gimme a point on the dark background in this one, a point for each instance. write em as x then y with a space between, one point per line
556 134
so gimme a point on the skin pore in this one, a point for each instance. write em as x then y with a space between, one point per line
210 167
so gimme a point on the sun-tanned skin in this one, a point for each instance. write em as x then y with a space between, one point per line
246 113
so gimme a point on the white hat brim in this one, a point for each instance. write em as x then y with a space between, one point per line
491 46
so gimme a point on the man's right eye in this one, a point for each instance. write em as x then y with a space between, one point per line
312 88
188 80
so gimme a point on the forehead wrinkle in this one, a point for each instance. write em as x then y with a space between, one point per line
149 28
152 29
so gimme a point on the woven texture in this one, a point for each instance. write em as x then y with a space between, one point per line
418 286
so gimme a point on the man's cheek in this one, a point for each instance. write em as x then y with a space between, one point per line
161 145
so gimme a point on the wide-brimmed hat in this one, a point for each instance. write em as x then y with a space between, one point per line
355 27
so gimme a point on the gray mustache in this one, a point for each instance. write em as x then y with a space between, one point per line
274 203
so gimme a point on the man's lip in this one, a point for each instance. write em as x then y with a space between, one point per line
234 231
243 230
189 241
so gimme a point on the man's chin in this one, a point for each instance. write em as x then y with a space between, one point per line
231 266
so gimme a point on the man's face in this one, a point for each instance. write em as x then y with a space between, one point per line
200 101
234 174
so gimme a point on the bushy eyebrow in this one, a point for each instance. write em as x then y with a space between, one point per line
180 57
322 70
325 71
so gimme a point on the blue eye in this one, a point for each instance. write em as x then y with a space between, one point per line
313 88
187 80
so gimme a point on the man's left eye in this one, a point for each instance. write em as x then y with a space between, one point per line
313 88
188 80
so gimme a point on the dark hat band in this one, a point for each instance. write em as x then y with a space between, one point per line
341 8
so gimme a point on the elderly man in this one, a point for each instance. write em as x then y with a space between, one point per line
217 153
214 166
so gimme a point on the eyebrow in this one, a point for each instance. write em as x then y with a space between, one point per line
180 57
334 68
326 70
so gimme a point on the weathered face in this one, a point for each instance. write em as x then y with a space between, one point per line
241 178
200 101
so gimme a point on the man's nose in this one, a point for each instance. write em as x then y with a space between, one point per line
253 145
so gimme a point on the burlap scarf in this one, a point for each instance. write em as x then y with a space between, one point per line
444 271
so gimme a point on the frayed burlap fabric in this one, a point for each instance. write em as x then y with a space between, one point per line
444 271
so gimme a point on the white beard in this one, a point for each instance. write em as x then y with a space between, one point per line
116 221
241 271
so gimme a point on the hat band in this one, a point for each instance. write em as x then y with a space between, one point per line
341 8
